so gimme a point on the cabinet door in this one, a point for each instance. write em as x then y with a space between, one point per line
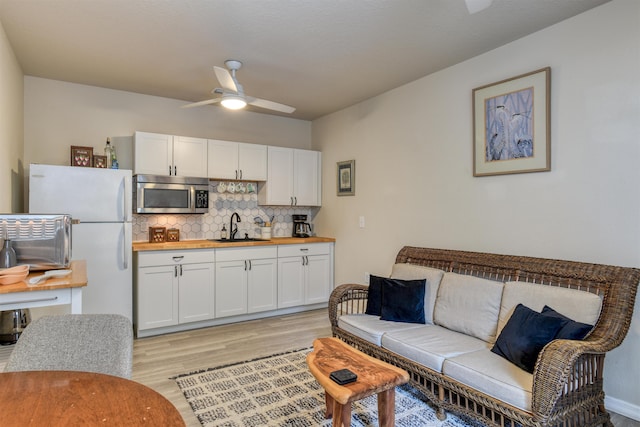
157 297
318 279
278 190
190 156
152 153
291 277
252 162
262 285
231 288
223 159
196 294
306 178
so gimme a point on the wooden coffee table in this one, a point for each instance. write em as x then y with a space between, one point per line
374 377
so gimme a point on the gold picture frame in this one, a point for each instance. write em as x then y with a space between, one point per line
346 178
511 125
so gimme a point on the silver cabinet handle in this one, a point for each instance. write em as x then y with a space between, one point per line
178 258
249 264
245 265
175 271
180 269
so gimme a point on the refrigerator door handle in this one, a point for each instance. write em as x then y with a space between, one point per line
128 214
126 245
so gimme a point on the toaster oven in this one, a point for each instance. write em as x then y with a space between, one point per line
41 241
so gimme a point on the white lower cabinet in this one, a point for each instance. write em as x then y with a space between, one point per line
246 280
305 274
184 289
173 287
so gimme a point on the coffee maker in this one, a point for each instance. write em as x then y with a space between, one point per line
301 228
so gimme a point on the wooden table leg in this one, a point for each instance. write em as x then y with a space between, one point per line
387 408
328 402
341 414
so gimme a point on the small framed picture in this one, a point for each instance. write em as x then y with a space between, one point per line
99 161
81 156
346 178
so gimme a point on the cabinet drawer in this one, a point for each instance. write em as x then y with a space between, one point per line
239 254
192 256
304 249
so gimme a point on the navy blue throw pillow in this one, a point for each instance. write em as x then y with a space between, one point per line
403 300
572 330
525 335
374 297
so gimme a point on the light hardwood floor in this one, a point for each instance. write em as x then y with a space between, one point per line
157 359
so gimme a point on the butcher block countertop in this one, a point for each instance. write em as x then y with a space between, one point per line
208 244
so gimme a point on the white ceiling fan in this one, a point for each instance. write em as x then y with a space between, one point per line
474 6
232 94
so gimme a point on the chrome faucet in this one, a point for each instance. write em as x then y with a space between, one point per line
232 231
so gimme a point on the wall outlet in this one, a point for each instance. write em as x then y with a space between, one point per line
366 277
361 221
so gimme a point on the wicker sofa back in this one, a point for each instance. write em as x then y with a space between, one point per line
568 376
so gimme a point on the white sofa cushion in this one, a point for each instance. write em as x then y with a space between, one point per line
430 345
577 305
469 305
493 375
417 272
371 328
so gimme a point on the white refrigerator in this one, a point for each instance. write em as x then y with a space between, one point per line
99 202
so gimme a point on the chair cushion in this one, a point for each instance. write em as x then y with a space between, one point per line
580 306
371 328
100 343
430 345
433 276
492 375
469 305
524 336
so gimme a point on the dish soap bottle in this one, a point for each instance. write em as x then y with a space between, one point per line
110 153
7 255
223 232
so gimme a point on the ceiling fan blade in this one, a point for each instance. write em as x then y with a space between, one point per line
225 79
205 102
474 6
270 105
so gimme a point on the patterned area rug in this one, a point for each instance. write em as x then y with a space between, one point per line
279 390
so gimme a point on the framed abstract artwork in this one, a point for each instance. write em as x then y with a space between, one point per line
346 178
511 125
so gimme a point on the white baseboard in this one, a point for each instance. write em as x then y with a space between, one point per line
622 407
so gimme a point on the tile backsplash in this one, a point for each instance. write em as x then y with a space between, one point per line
221 207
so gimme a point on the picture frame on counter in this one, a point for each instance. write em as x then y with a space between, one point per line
99 161
81 156
346 178
511 125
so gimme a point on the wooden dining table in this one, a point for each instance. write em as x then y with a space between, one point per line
72 398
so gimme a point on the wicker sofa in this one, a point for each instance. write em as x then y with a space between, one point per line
566 385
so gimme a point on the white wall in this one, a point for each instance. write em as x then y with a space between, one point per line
414 183
60 114
11 129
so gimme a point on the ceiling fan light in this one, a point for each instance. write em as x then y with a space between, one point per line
233 102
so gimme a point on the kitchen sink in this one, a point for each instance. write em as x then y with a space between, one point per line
238 240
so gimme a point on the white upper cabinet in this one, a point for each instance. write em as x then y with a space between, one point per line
159 154
293 178
237 160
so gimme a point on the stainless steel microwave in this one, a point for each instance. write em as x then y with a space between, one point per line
156 194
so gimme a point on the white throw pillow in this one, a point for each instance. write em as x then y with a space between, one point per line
433 277
469 305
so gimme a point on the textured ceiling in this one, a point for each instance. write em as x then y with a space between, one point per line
317 55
